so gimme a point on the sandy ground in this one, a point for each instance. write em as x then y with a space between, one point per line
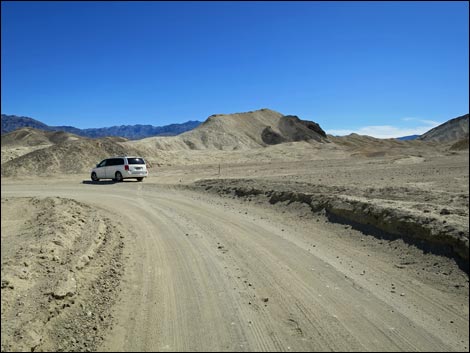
60 258
166 265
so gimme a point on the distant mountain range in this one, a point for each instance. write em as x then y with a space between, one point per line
132 132
407 138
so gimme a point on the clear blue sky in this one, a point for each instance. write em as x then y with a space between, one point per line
350 66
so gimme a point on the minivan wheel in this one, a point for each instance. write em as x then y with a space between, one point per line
94 177
140 179
118 177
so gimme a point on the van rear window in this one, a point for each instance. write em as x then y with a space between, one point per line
135 161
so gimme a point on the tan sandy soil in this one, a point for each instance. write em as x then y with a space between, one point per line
9 153
204 272
60 258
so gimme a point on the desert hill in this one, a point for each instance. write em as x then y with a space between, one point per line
451 135
34 137
65 157
26 140
240 131
451 131
367 146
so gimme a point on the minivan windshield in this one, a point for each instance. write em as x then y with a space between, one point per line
135 161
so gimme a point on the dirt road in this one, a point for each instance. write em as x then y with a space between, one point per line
210 274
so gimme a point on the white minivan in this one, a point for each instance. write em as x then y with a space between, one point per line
120 168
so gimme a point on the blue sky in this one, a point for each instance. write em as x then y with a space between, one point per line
377 68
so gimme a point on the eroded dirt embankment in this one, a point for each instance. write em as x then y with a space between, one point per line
61 267
382 213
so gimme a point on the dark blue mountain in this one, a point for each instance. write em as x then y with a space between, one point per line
132 132
407 138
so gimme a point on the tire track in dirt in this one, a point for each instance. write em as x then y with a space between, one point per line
203 277
269 249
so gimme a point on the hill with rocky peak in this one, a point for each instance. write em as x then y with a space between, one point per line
241 131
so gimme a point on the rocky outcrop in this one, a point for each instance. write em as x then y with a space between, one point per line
271 137
294 129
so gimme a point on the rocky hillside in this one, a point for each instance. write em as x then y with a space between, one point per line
13 122
241 131
451 131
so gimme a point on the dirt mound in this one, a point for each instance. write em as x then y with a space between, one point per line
67 157
452 130
33 137
60 274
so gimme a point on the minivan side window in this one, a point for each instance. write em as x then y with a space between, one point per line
135 161
102 163
115 161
